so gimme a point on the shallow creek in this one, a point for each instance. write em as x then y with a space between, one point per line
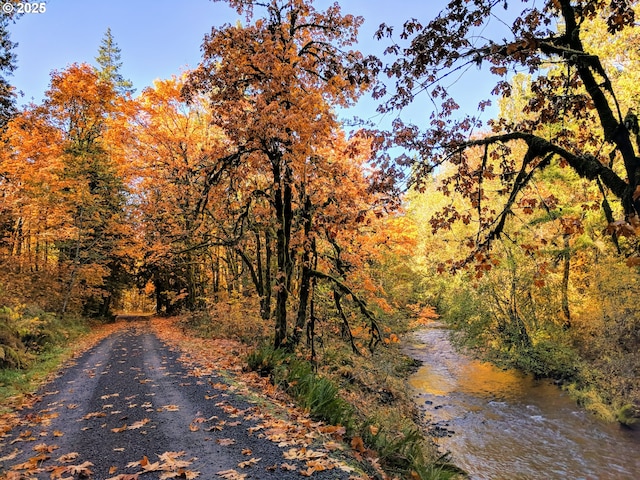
503 425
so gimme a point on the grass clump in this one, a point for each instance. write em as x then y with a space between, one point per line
314 393
628 415
265 359
403 452
26 332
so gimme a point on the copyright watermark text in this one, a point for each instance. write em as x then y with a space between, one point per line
20 8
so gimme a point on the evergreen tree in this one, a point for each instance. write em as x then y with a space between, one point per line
109 63
7 66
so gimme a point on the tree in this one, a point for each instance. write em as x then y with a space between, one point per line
7 66
109 63
570 82
65 192
172 153
273 85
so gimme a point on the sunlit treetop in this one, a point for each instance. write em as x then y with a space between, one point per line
109 62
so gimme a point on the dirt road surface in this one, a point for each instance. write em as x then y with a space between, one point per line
128 409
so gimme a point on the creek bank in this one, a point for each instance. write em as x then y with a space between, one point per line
500 424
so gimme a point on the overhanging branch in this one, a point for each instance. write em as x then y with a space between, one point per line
376 335
586 166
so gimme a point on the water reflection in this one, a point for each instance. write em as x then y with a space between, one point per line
503 425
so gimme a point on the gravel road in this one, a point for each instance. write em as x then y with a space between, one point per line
129 408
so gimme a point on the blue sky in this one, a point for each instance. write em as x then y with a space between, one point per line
160 38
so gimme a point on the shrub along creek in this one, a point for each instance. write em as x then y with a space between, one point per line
501 424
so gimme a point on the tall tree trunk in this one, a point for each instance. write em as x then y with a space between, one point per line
284 216
565 283
305 281
265 305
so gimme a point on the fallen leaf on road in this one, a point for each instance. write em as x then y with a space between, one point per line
249 463
320 465
225 441
333 430
255 429
303 454
331 446
151 467
231 475
44 448
82 469
10 456
56 473
32 463
357 444
94 415
138 424
171 462
170 408
139 463
68 457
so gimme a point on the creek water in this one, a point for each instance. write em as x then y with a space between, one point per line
500 424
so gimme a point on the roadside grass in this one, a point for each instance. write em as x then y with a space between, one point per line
16 382
383 428
316 394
